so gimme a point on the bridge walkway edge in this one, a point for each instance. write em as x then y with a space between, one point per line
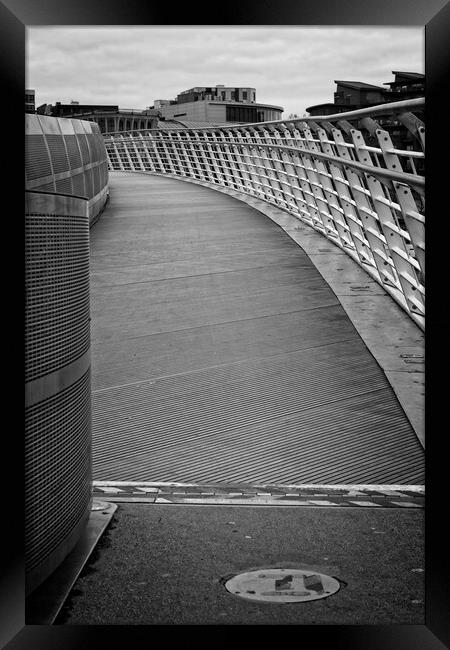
373 313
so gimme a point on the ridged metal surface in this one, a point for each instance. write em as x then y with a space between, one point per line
53 153
221 355
57 391
57 298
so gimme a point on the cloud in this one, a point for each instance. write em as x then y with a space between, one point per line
293 67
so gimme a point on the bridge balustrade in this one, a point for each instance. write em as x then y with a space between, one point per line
349 176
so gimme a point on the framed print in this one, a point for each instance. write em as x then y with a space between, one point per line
263 148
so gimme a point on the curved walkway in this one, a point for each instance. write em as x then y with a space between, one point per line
220 354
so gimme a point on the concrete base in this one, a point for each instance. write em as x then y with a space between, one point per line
44 604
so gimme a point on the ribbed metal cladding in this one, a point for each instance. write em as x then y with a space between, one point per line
58 153
57 470
71 153
57 298
221 355
58 458
37 159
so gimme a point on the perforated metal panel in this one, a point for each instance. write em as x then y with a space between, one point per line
57 298
57 390
47 187
37 160
89 183
64 185
94 147
58 153
82 141
78 185
57 469
73 151
96 175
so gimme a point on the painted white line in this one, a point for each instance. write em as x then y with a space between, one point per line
248 502
110 490
366 503
355 493
392 493
406 504
152 490
322 503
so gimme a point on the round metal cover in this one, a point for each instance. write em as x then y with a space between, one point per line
282 585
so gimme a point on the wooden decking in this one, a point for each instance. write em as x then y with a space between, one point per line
219 353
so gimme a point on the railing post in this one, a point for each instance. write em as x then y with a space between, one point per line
357 191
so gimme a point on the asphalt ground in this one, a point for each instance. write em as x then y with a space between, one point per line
160 564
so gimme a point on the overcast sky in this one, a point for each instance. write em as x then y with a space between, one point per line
292 67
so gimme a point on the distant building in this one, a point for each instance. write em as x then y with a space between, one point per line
110 118
357 94
326 109
30 106
407 85
353 95
217 104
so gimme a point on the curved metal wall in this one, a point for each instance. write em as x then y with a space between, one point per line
66 156
344 175
57 374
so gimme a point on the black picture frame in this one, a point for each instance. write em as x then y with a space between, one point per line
434 16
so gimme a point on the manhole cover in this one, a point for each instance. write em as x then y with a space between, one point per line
282 585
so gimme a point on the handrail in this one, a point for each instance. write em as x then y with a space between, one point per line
418 182
350 183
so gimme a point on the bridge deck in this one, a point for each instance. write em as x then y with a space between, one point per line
220 354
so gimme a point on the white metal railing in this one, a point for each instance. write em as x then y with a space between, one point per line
341 174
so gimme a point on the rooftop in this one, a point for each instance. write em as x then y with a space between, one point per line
358 85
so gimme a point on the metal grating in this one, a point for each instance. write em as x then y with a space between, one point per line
82 141
58 153
94 145
89 183
57 453
96 175
48 187
64 185
52 154
221 355
73 151
37 161
57 292
78 184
